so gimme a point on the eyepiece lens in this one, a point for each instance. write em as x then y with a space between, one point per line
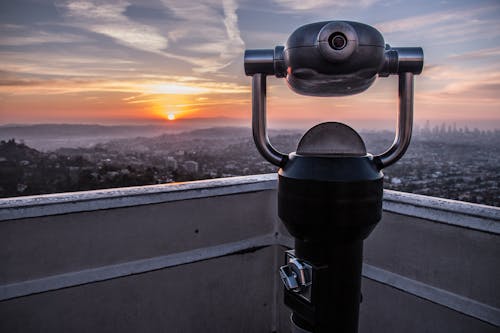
337 41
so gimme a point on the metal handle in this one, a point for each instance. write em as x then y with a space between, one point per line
259 129
404 125
400 60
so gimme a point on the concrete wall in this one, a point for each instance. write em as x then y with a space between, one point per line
386 309
203 257
455 267
227 294
76 241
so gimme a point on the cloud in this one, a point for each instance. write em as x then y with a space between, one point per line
40 37
18 35
445 27
204 34
108 18
208 36
63 62
476 54
452 84
15 84
259 39
295 5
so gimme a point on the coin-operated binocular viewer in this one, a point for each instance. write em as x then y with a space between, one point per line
330 189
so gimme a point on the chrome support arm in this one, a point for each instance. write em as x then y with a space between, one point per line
404 125
259 122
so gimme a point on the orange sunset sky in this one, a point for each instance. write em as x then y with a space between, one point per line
140 62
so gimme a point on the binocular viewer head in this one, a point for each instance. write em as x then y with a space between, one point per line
333 58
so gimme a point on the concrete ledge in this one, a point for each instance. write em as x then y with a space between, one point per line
63 203
463 214
459 213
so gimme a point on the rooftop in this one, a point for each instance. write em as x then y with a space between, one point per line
203 256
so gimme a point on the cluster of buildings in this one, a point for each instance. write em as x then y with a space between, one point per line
442 163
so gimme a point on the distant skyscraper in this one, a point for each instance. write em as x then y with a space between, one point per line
442 130
171 163
191 166
427 126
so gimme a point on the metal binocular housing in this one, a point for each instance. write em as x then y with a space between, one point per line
336 58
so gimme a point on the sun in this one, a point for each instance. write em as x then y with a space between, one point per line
171 116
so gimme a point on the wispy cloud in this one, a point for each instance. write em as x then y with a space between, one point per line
458 85
477 54
108 18
445 27
208 36
321 4
49 64
204 34
16 35
40 37
260 40
12 83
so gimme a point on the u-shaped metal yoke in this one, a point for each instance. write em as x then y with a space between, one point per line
410 62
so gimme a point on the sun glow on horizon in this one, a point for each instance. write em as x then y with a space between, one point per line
171 116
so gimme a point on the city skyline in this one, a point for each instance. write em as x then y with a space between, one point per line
141 62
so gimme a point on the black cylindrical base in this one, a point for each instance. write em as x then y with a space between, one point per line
336 294
330 204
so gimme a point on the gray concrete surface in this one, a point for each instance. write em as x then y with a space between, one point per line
387 310
228 294
76 241
460 260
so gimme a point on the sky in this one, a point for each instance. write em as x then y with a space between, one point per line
144 61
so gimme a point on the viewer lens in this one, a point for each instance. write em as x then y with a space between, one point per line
337 41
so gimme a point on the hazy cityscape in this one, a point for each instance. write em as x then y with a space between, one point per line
443 161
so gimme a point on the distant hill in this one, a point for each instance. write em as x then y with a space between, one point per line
82 130
70 130
50 137
47 137
218 132
13 151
